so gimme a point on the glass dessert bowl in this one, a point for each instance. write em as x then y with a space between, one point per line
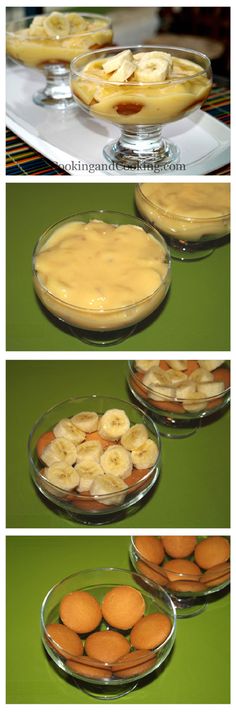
109 662
192 217
193 569
49 42
87 459
180 394
101 273
140 88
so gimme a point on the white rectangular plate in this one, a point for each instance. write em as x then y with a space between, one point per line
72 138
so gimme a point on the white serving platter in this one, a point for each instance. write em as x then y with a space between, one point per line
75 141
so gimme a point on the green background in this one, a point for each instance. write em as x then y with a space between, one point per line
195 315
196 672
192 491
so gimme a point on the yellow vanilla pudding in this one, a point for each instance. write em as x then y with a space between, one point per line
141 87
56 38
101 276
186 211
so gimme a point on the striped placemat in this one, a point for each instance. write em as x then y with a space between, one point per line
23 159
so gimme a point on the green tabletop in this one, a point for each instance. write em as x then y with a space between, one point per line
192 491
195 315
196 672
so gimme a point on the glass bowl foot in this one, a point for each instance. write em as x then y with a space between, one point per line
141 149
176 432
57 92
107 692
188 253
99 339
188 607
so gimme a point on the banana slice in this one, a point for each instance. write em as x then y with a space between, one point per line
37 29
86 421
161 393
145 456
65 428
113 424
117 461
212 389
176 377
77 23
196 402
111 485
62 475
57 25
87 471
179 364
156 375
91 450
210 364
123 72
135 437
60 449
116 61
143 365
152 66
202 375
185 390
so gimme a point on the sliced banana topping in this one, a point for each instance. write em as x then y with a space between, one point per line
113 424
161 393
152 66
60 449
87 471
91 450
145 456
86 421
210 364
212 389
115 61
57 24
176 377
185 390
201 374
179 364
77 23
135 437
195 402
143 365
62 475
117 461
156 375
65 428
109 488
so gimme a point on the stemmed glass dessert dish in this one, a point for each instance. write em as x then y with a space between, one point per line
140 89
180 394
102 273
49 42
94 459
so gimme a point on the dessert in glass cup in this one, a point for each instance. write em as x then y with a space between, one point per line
49 42
194 218
101 272
141 88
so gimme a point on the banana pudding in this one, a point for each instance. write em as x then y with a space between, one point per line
56 37
188 212
140 87
101 276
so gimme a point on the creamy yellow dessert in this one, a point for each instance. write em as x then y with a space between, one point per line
56 38
186 211
148 87
99 276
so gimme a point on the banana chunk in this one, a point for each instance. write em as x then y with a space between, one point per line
113 424
109 489
145 456
57 25
116 61
196 402
117 461
60 449
152 66
161 393
123 72
156 375
143 365
77 23
201 374
176 377
210 364
87 471
86 421
135 437
91 450
36 29
185 390
179 364
62 475
212 389
65 428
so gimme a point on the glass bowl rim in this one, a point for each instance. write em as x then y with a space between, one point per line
136 47
25 20
177 400
109 311
81 496
182 576
190 219
111 569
